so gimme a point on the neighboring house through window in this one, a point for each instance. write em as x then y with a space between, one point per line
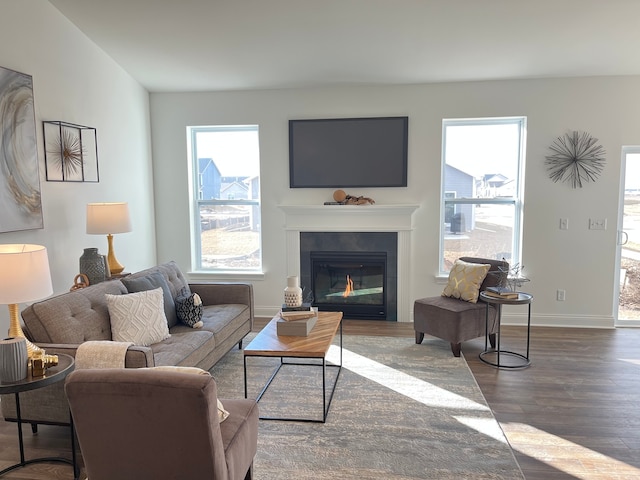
225 195
482 189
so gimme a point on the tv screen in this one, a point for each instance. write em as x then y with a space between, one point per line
348 152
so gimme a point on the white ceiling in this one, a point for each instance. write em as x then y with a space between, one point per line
202 45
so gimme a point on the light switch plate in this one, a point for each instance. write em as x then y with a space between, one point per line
597 224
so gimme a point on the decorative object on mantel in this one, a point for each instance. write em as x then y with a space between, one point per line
293 292
70 152
21 204
109 218
342 198
577 157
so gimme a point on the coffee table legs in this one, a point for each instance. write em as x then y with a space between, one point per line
326 403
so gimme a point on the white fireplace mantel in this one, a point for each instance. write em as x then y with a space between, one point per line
354 218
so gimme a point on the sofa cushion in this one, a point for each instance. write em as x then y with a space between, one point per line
73 317
150 282
138 317
185 347
465 279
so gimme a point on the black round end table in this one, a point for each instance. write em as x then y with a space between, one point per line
522 360
52 374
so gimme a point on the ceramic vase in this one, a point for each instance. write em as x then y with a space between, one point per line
92 264
14 360
293 292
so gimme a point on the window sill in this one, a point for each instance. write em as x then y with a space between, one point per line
233 276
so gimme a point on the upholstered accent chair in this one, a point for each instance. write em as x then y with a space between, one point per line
146 424
456 320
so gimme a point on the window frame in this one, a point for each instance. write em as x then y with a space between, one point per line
517 201
196 202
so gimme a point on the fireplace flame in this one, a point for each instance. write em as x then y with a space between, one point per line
349 288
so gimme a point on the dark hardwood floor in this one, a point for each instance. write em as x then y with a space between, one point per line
573 414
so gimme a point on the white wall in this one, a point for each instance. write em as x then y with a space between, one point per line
74 81
578 260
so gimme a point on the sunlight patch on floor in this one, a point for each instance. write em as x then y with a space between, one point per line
566 456
403 383
487 426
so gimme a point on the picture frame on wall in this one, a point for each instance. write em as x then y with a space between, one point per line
70 152
20 194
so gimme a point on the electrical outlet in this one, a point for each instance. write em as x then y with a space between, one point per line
597 224
564 224
560 295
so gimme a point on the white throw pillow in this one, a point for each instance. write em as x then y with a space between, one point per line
138 317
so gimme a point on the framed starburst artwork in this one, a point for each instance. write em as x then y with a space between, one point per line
71 152
577 157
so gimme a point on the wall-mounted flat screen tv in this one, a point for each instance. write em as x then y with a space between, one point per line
348 152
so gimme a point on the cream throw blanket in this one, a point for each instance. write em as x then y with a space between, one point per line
101 354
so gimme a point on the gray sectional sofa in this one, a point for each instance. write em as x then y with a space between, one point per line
60 324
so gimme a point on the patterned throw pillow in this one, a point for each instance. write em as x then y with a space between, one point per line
465 279
189 309
138 317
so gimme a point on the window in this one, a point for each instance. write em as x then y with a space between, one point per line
225 193
482 189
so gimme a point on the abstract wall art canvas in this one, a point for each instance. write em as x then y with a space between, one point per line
20 203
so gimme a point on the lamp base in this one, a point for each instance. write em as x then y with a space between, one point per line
114 266
15 330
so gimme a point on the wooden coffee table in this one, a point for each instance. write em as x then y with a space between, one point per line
314 346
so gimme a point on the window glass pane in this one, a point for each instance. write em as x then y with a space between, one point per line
230 238
483 160
226 194
479 230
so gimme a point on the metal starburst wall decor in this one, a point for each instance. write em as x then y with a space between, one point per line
577 158
71 153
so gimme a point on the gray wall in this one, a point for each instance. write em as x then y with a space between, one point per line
76 82
578 260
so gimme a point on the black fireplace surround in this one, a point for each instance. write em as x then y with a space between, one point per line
331 263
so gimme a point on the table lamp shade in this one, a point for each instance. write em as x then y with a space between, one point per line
24 277
108 218
24 273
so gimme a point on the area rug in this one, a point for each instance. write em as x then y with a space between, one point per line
400 411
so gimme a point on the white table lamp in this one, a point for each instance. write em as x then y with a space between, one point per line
107 219
24 277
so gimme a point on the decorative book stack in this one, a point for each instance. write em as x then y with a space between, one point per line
296 323
501 292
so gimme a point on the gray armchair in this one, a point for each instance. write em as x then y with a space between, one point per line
147 424
456 320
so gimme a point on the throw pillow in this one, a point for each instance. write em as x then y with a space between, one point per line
150 282
189 309
222 413
465 279
138 317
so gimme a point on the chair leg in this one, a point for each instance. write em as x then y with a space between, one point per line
419 337
492 340
249 475
455 348
34 428
240 345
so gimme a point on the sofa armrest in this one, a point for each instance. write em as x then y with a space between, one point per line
137 356
221 293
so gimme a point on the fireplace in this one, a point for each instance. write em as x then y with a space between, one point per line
350 282
300 221
369 259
